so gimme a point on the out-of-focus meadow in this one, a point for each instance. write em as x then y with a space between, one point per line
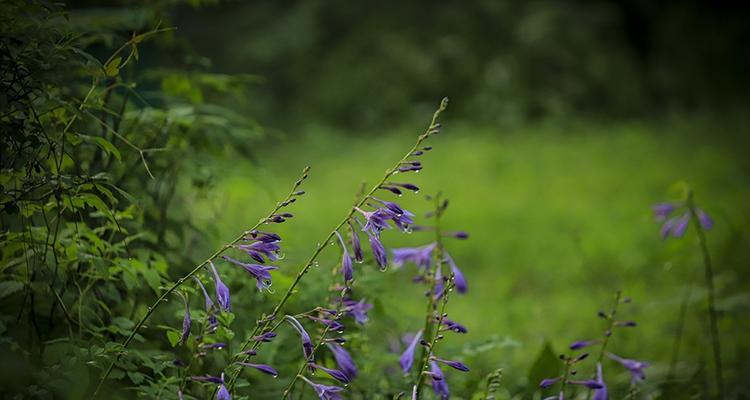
567 122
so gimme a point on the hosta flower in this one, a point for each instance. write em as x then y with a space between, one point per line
259 272
634 366
601 393
420 256
336 374
331 323
223 393
343 360
263 236
376 221
439 385
208 378
590 383
356 245
400 217
582 343
458 276
662 210
453 364
261 250
677 225
357 309
324 392
378 251
548 382
265 337
267 369
407 357
187 323
346 261
307 346
209 302
222 291
454 326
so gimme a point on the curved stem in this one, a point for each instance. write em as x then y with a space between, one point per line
194 271
264 322
713 320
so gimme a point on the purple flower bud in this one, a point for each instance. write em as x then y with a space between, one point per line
458 235
601 393
324 392
458 276
223 393
331 323
407 358
378 251
454 326
222 291
705 220
545 383
634 366
582 343
356 245
207 378
392 189
259 272
261 250
626 324
662 210
591 384
213 346
439 385
266 369
334 373
265 337
453 364
307 346
346 261
343 360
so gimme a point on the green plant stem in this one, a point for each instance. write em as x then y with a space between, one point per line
194 271
607 333
265 321
430 336
713 320
678 334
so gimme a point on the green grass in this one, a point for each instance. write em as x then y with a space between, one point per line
559 217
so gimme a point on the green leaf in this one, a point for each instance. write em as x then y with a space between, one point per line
152 278
106 145
7 288
546 365
174 337
113 67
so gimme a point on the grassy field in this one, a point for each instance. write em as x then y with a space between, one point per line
559 217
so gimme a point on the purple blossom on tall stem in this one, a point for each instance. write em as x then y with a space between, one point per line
223 393
261 250
343 360
346 261
420 256
209 302
356 244
453 364
324 392
407 357
378 251
307 345
259 272
458 276
600 393
266 369
453 326
634 366
222 291
439 385
336 374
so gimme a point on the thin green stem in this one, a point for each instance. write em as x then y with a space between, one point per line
678 334
264 322
713 319
607 333
194 271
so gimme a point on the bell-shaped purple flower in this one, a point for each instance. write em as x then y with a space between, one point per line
259 272
376 221
582 344
548 382
356 245
453 364
407 358
634 366
454 326
324 392
343 360
662 210
458 277
266 369
222 291
420 256
439 385
265 337
336 374
705 220
261 250
223 393
378 251
209 302
601 393
357 309
346 261
307 346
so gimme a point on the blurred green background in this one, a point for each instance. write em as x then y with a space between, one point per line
567 121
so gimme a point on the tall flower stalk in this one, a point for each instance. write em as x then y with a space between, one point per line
405 164
290 198
676 225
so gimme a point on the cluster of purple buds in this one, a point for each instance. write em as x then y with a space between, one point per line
570 362
675 218
422 257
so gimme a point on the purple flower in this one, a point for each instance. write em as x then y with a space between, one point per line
357 309
325 392
307 346
400 217
186 323
378 251
222 291
590 383
634 366
356 245
662 210
209 302
407 358
458 276
705 220
420 256
454 326
675 226
346 261
267 369
453 364
208 378
376 220
257 250
223 393
601 393
582 343
265 337
263 236
343 360
438 382
259 272
211 346
545 383
336 374
331 323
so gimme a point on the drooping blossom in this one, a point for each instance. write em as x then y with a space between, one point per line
346 261
453 364
634 366
266 369
336 374
259 272
331 323
343 360
223 393
260 250
676 226
187 323
324 392
458 277
601 393
222 291
407 357
582 344
208 378
420 256
548 382
209 302
454 326
376 221
439 385
378 251
357 309
356 245
400 217
307 346
265 337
